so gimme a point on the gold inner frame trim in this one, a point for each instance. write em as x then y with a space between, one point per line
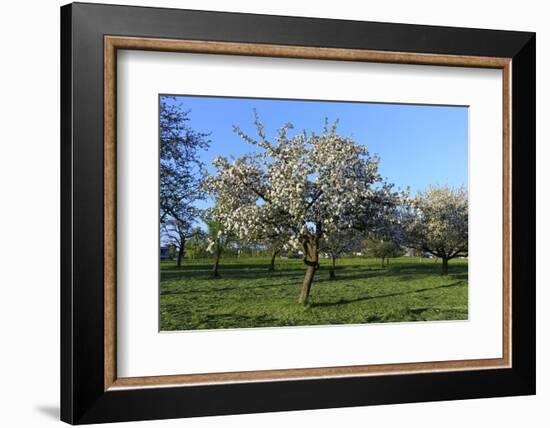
113 43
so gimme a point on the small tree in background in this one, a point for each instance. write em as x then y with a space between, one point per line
177 232
340 243
276 245
216 243
383 250
219 239
197 244
437 223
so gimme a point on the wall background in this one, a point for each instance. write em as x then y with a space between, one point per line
29 213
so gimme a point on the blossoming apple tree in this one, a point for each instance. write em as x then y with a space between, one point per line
305 186
437 223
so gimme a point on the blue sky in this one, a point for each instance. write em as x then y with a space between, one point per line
418 145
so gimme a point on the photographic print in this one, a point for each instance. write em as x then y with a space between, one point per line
280 212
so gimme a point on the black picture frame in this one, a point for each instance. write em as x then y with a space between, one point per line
83 399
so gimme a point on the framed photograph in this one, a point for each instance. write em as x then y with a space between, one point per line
267 213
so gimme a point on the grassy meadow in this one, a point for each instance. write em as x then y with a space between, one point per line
247 295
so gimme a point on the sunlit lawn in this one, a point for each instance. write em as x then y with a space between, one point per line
247 295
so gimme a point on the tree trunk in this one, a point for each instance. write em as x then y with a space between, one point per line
271 267
311 259
306 287
332 269
383 258
217 256
444 266
181 253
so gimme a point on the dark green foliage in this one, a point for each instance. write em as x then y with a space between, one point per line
383 250
197 245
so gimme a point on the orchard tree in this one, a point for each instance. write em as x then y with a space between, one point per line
383 250
197 244
180 172
437 223
339 243
271 241
177 233
276 244
304 186
218 240
384 228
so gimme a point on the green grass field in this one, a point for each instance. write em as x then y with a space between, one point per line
247 295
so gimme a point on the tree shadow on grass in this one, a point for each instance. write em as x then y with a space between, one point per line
219 289
382 296
399 272
225 273
296 276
